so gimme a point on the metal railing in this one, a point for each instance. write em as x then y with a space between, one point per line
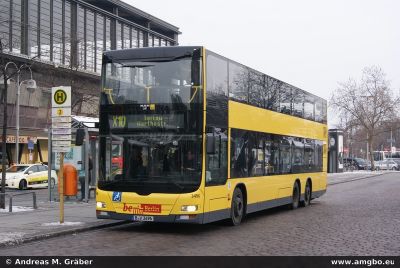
11 196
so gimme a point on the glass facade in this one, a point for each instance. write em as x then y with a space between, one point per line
69 33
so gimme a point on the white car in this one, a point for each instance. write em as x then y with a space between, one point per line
29 176
386 164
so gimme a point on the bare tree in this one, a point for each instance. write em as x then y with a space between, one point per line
366 104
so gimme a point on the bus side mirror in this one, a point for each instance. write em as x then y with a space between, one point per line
80 135
210 144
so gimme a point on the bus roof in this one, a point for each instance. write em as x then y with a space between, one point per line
160 53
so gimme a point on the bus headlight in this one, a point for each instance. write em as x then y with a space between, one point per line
189 208
101 205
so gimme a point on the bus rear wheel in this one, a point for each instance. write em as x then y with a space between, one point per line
295 196
237 207
307 195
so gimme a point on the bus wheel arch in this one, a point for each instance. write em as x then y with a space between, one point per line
238 205
307 193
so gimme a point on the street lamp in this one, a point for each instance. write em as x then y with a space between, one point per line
31 86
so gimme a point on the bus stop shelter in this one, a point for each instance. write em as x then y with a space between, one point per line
79 155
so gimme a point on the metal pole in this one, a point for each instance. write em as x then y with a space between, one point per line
368 149
87 148
61 184
3 146
391 142
49 155
17 121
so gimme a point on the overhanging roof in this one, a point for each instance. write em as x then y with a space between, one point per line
135 15
83 121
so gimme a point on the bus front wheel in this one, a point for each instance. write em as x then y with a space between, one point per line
237 207
295 196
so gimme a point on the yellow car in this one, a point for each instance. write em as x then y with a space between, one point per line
29 176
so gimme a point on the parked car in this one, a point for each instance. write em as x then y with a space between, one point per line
355 163
386 164
29 176
397 160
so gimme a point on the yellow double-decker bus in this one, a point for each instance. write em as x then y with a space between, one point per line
189 136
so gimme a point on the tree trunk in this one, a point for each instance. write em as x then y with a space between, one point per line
370 148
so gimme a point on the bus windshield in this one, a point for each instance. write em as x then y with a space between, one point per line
151 122
152 162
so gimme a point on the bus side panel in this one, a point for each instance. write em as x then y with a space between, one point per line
262 193
216 203
246 117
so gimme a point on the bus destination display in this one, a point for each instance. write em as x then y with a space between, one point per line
146 121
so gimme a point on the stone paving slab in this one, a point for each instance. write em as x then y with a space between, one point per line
41 223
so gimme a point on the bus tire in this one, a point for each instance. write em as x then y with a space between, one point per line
23 185
295 196
307 195
237 207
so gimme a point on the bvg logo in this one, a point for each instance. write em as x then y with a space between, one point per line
60 96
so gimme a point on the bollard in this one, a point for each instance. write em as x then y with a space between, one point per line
11 196
34 200
10 204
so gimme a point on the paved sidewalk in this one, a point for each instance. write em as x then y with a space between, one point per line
28 224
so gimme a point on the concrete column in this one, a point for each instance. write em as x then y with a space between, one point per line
25 42
113 30
74 37
146 36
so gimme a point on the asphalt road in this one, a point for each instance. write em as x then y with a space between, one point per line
355 218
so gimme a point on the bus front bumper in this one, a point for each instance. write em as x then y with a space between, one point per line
193 219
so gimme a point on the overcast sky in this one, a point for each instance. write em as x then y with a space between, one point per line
311 44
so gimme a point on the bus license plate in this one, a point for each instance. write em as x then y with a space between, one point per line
143 218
